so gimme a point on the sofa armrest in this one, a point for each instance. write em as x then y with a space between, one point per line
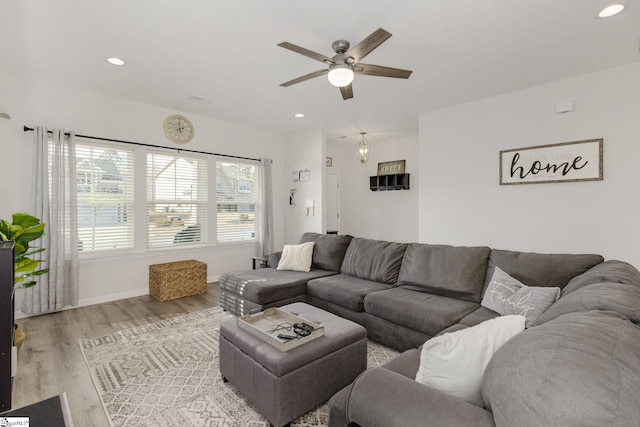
408 403
274 259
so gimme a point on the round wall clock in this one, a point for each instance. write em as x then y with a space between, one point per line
178 129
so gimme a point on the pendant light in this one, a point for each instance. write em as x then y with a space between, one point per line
363 150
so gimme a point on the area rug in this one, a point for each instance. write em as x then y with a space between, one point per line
166 374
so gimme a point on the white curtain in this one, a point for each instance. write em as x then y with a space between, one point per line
54 201
266 211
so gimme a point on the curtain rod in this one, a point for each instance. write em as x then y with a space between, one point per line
28 129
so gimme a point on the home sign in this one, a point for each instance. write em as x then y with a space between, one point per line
563 162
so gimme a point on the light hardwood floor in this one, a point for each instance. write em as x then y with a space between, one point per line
50 360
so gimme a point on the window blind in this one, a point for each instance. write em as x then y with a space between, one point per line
237 200
176 200
105 197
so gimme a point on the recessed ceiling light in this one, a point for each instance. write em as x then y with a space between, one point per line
299 115
611 10
115 61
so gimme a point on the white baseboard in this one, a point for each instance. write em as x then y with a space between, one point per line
110 297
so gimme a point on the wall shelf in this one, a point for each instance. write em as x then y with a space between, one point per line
398 181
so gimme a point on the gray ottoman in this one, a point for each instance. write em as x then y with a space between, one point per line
282 386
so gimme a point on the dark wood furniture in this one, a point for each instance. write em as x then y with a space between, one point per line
6 323
263 260
398 181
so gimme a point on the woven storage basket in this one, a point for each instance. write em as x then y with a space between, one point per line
177 279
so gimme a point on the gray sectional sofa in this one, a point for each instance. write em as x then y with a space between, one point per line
578 364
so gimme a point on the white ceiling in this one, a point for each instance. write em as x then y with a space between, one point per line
459 50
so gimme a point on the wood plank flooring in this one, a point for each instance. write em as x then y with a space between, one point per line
50 360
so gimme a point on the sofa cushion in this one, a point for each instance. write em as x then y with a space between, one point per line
506 295
374 260
540 269
329 250
617 297
611 271
344 290
581 369
267 285
455 362
420 311
296 257
451 271
478 316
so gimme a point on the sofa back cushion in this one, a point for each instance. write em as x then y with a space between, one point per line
535 269
617 297
581 369
375 260
450 271
328 251
611 271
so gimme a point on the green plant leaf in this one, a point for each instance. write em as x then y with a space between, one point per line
18 249
32 274
23 229
37 251
5 229
26 285
38 273
15 231
34 232
24 220
25 266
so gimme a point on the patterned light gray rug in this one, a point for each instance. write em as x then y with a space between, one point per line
166 374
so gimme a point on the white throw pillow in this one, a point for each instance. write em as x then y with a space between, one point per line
296 257
507 295
454 362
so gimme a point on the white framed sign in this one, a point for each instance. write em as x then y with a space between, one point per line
563 162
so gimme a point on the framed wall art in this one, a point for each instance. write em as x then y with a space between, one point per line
391 168
563 162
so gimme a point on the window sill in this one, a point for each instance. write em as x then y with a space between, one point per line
150 253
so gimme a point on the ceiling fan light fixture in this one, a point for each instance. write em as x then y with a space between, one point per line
363 150
340 75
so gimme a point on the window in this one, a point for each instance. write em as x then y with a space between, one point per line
104 180
244 186
237 200
177 210
176 200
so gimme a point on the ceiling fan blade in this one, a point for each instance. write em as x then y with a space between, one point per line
362 49
378 70
347 92
305 77
306 52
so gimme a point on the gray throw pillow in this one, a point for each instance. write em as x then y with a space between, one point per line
506 295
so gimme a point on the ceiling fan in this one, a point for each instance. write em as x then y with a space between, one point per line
346 62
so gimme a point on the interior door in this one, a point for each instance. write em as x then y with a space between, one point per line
333 203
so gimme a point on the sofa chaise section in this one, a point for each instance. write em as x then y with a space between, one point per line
251 291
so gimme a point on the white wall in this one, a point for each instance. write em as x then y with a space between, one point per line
39 103
461 202
304 148
384 215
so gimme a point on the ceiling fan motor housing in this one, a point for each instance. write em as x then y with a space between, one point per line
340 46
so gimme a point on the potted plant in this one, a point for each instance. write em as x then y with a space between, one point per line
23 229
